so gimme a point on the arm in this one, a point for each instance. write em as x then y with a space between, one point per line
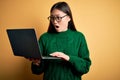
37 69
82 62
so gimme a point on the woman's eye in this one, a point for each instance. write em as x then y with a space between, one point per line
58 18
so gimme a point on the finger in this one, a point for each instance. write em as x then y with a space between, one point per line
55 55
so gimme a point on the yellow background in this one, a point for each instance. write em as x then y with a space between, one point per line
99 20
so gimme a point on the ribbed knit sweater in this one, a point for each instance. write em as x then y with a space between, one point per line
69 42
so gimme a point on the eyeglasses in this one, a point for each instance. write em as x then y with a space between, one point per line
57 18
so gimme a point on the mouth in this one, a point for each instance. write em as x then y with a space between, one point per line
56 26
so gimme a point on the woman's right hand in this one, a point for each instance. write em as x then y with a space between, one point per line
35 61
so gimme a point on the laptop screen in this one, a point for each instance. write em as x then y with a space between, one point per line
24 42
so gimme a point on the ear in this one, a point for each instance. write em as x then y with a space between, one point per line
69 18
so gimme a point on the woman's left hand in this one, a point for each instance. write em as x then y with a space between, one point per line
60 55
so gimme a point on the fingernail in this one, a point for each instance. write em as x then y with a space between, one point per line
50 54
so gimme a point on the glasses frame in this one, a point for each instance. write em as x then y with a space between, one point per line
57 18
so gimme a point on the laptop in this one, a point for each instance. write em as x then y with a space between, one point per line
24 43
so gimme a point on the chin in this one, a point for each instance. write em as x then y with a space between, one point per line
58 30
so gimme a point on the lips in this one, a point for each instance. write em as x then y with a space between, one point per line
56 26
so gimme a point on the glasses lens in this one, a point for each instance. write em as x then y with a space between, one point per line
49 18
57 18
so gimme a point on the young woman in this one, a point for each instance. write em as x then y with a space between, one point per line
64 41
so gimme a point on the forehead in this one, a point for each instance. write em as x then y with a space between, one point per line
57 12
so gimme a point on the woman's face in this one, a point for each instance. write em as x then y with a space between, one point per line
60 20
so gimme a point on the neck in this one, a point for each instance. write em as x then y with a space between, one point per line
63 30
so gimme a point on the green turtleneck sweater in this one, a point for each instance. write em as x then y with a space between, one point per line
73 44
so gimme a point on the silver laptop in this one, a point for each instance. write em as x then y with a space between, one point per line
24 43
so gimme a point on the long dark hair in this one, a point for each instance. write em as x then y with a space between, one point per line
62 6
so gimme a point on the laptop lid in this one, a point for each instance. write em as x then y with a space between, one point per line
24 43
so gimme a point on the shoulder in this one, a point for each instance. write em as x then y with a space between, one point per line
78 33
45 35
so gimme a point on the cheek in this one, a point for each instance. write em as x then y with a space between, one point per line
64 24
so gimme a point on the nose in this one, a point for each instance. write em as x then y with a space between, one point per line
54 21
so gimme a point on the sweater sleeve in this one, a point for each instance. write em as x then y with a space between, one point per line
39 69
82 62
